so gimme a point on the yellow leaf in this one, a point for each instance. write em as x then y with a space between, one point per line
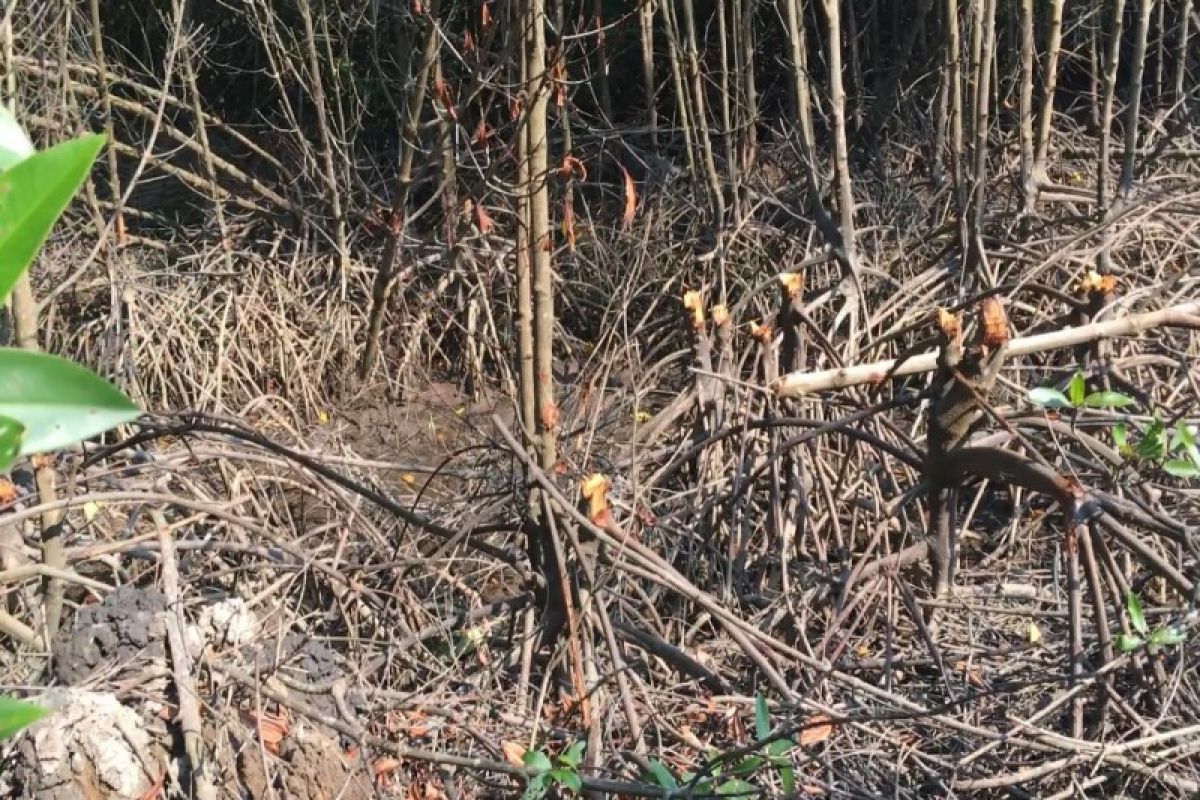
322 417
1034 633
642 415
90 510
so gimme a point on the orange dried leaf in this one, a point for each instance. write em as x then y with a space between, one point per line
513 753
994 322
816 729
272 728
630 198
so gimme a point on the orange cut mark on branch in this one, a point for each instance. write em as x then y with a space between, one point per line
549 417
720 315
761 332
630 198
792 283
949 323
693 304
595 490
994 322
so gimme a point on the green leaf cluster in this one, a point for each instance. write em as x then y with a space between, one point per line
561 771
1163 636
46 402
735 781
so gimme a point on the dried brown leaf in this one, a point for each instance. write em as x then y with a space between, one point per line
816 729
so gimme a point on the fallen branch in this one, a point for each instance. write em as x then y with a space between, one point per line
1185 315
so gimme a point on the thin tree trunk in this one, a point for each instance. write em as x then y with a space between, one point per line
729 130
1134 107
381 289
746 65
1181 58
682 101
801 91
602 85
646 23
954 80
316 89
701 117
539 239
841 165
1029 185
1049 84
1112 58
983 85
102 82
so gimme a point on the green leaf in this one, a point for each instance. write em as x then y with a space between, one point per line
11 434
779 747
58 402
787 778
1127 644
737 786
1076 389
1137 617
1152 447
33 194
1181 468
573 755
17 714
1168 636
1108 399
662 776
536 789
568 778
1120 436
747 765
1048 398
15 146
537 760
1185 437
762 717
